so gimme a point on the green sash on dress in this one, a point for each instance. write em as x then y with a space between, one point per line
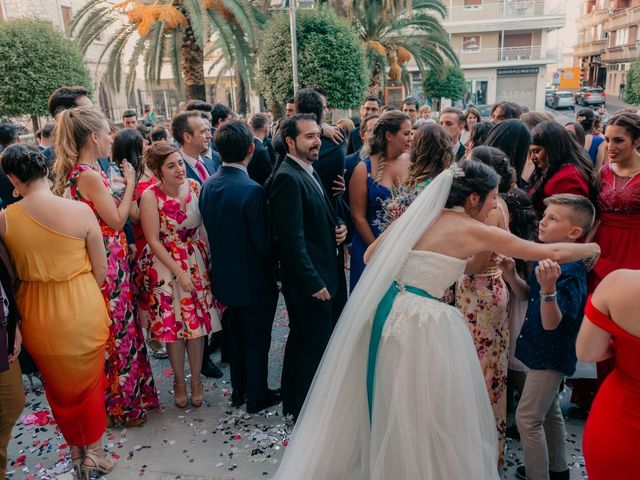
382 312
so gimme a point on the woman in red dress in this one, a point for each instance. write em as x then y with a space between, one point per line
560 165
612 327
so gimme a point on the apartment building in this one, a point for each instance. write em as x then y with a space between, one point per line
608 41
502 47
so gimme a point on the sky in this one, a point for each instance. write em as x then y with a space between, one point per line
566 37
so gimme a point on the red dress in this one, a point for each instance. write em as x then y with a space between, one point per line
612 433
619 232
568 179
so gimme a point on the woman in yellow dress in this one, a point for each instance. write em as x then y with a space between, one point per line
60 259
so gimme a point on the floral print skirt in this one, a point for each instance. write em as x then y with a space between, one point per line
484 303
131 390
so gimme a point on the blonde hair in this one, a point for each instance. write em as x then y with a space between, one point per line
73 128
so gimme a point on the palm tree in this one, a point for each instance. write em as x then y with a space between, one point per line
395 31
180 32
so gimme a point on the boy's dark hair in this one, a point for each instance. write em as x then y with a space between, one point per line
129 113
233 140
8 133
180 125
219 112
159 133
64 98
309 101
455 111
27 163
411 101
583 212
198 105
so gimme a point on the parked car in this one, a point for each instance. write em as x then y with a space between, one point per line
548 92
561 99
590 96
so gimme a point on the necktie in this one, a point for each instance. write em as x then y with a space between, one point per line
202 170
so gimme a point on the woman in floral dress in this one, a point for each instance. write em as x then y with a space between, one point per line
83 136
172 272
483 300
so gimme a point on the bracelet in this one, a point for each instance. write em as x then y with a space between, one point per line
548 297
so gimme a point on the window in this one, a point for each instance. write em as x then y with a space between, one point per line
622 37
66 16
471 43
472 4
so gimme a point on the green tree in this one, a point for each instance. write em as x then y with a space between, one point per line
35 59
182 32
452 85
395 31
632 85
330 55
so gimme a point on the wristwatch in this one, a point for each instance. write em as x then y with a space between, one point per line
548 297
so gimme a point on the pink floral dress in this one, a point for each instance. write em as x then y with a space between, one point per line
131 390
174 313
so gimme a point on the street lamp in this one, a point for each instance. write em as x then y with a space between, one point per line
294 44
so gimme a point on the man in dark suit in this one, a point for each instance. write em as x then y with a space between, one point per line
210 157
193 134
8 136
219 114
309 237
233 209
452 120
370 106
260 166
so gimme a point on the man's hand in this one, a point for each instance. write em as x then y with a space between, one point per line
322 295
17 345
339 185
341 234
332 133
547 273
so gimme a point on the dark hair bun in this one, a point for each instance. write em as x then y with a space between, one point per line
478 178
25 162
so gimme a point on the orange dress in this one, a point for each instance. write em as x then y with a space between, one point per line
65 324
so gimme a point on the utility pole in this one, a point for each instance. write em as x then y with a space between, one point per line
294 44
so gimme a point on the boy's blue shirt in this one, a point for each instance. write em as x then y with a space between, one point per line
542 349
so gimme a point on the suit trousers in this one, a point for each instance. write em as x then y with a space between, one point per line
248 338
11 405
310 325
541 424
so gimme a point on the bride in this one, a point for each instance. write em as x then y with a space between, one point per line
399 393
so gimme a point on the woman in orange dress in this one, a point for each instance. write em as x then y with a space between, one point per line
60 258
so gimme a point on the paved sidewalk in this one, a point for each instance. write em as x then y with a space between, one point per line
214 442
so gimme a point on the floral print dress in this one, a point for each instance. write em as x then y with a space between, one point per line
483 300
131 390
174 313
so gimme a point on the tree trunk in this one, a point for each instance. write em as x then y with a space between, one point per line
192 63
241 95
375 83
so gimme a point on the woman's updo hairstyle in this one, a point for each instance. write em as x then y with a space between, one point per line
498 160
24 162
157 154
478 178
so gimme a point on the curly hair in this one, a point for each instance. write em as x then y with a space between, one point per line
431 153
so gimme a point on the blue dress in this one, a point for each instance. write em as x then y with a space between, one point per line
376 195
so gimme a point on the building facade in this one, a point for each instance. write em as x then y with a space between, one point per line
608 41
502 47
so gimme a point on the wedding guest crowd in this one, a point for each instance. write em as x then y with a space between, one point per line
187 230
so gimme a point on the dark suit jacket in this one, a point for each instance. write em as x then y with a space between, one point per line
270 150
260 166
191 173
460 152
355 142
9 284
304 223
234 213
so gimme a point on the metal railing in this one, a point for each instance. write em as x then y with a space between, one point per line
504 9
505 54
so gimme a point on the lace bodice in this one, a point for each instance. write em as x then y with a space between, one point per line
432 272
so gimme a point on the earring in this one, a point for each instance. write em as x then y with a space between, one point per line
15 193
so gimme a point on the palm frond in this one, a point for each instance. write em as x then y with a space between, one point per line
154 53
196 20
138 50
173 52
79 16
431 5
114 65
92 32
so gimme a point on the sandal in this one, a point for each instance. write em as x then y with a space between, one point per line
157 349
180 394
76 460
95 456
197 394
135 422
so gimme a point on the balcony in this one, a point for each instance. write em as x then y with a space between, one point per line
505 57
504 15
622 53
595 17
623 18
593 47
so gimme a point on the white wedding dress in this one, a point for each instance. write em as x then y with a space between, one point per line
431 418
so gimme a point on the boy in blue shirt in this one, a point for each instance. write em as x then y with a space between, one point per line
546 345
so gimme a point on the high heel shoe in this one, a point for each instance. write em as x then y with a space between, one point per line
94 456
197 394
180 394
